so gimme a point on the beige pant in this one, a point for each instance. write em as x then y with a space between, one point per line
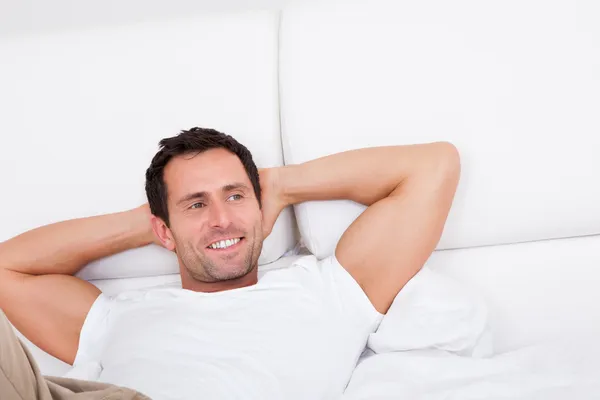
20 377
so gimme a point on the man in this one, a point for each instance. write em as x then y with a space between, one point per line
294 334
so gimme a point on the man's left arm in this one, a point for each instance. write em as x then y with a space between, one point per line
408 190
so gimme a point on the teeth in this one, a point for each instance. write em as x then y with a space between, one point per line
222 244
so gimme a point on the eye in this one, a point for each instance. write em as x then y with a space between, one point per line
235 197
197 205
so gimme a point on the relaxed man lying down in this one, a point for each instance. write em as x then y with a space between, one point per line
294 334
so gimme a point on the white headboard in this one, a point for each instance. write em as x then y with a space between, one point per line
83 111
515 86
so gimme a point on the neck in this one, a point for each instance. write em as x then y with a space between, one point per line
190 283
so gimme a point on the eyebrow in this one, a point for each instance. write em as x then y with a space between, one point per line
201 195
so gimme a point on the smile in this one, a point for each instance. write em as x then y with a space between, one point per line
224 244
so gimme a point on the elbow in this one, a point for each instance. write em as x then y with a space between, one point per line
447 162
448 152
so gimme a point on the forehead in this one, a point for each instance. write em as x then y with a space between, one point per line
203 172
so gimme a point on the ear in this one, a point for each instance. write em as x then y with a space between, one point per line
163 233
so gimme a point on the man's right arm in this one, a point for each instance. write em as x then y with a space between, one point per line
38 292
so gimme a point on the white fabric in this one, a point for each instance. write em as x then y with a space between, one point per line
535 292
553 371
433 311
434 344
512 84
297 334
83 111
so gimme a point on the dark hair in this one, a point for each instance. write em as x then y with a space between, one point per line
195 140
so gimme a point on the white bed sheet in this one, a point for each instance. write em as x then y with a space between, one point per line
435 343
553 371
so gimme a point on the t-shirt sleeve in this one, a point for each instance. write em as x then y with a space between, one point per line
93 333
351 300
340 291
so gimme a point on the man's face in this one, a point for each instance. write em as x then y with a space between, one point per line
215 218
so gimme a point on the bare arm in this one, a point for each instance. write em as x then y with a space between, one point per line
409 191
38 293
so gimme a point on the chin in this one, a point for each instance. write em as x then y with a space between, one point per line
225 274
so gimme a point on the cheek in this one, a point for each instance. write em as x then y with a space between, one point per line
246 220
251 216
189 229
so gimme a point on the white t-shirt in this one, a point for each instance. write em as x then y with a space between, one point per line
296 334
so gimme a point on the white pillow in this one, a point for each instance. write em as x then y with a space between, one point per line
401 72
434 312
84 112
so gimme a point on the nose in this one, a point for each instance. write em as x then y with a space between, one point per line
219 215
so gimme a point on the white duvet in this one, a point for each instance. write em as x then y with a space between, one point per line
435 344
